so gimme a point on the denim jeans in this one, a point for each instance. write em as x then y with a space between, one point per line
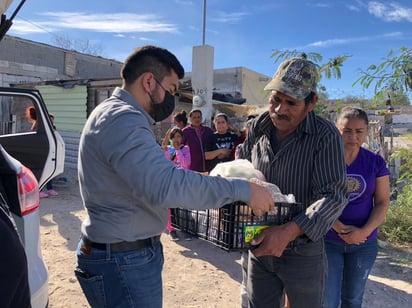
243 289
122 279
300 272
348 270
49 185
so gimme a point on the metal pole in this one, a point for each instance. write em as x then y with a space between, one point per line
204 21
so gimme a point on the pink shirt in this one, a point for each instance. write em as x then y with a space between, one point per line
181 157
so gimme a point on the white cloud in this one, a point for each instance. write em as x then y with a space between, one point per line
232 18
184 2
346 41
320 5
111 23
146 39
390 12
26 27
353 8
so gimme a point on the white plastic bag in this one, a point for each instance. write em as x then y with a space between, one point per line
238 168
242 168
275 192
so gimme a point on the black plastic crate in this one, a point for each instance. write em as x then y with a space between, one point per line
224 227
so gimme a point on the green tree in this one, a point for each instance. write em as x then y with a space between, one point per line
355 101
322 106
397 228
329 69
392 77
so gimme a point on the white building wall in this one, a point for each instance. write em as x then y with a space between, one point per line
202 79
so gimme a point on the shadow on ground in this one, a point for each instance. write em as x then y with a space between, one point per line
63 210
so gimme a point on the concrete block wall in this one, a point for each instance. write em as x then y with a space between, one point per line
30 61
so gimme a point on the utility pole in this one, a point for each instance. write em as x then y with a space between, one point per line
202 75
204 22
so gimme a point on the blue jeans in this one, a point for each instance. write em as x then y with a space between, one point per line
243 289
122 279
348 270
300 272
49 185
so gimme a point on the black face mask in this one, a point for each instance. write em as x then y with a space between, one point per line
164 109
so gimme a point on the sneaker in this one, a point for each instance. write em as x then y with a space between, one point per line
173 236
52 192
42 194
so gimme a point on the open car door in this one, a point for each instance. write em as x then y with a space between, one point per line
39 148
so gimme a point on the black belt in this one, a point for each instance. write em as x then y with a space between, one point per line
122 246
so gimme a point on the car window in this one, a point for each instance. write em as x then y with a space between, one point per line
17 115
22 130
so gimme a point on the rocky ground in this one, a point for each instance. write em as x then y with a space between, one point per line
197 274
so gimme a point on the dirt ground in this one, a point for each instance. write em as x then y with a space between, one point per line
196 274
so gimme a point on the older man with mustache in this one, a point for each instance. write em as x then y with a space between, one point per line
303 155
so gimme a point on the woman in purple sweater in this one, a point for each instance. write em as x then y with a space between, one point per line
195 136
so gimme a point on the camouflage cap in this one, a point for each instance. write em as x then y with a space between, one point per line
295 77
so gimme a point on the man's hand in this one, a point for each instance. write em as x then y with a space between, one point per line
273 241
261 200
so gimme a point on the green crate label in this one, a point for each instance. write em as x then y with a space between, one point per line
252 231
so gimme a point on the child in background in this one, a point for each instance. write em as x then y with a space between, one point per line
180 119
179 154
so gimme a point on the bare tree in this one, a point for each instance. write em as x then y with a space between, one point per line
79 45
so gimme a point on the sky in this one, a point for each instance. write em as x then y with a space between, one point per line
242 33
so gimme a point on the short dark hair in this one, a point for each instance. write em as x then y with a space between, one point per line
350 112
156 60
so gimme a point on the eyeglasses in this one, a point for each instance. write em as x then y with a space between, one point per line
158 82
